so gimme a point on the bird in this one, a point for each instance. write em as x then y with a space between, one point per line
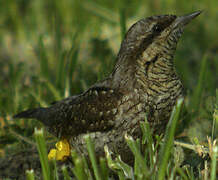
143 83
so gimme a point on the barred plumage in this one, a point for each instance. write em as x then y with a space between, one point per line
143 82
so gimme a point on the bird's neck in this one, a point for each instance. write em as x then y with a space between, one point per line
129 73
158 69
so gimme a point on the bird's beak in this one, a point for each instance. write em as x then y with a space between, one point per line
184 20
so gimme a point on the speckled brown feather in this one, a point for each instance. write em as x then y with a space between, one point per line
91 111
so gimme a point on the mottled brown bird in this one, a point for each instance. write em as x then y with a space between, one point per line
143 82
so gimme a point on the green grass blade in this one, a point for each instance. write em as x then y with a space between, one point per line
147 136
80 167
213 163
91 152
121 175
127 170
53 89
111 163
106 14
53 169
123 170
30 174
168 140
39 99
181 172
136 151
43 59
61 72
122 23
72 60
199 88
215 118
104 168
41 146
65 173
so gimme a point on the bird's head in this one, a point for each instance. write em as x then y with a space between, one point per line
150 39
154 31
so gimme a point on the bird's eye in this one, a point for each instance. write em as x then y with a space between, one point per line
157 28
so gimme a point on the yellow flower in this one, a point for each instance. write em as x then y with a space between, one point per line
61 152
52 154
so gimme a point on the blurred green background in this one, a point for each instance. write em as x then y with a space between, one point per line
53 49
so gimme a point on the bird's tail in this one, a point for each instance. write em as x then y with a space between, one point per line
37 113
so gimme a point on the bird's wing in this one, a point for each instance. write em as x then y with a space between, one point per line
91 111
